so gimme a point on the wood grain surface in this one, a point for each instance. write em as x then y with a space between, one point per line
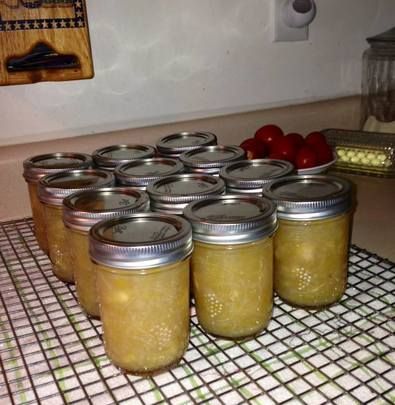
61 25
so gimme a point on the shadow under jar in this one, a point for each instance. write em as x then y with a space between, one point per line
109 157
35 168
174 144
81 211
232 263
249 176
312 241
142 266
52 190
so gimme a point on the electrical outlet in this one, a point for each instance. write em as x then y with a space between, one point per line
283 33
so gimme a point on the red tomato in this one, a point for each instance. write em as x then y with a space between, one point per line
314 138
269 134
275 155
285 148
296 139
253 148
306 157
324 153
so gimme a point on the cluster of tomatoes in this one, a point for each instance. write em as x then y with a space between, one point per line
303 152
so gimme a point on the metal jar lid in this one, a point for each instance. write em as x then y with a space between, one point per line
210 159
141 172
175 144
309 197
39 166
112 156
171 194
141 241
83 209
249 176
53 188
231 219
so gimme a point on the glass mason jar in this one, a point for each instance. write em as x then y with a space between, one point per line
52 189
81 211
173 145
172 194
142 267
378 83
210 159
312 241
232 263
141 172
249 176
39 166
109 157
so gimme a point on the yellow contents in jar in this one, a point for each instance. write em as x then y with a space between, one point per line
233 287
145 315
310 265
59 252
83 270
38 217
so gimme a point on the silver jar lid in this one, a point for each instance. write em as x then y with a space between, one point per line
175 144
141 172
249 176
112 156
140 241
231 219
309 197
171 194
39 166
210 159
83 209
53 188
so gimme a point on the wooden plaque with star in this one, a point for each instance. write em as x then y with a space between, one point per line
44 40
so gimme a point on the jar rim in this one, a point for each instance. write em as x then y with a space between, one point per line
309 197
204 138
49 192
33 171
79 217
108 162
140 241
231 219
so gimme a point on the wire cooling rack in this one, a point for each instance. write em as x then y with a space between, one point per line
51 353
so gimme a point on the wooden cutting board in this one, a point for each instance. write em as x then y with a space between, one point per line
44 40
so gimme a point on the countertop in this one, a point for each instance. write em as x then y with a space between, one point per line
374 219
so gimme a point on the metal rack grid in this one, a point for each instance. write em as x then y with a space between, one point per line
51 353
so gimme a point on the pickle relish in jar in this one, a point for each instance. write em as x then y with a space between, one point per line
232 263
142 268
81 211
39 166
312 241
52 189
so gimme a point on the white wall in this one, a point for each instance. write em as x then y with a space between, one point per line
166 60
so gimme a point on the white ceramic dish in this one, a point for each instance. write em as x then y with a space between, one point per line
318 169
